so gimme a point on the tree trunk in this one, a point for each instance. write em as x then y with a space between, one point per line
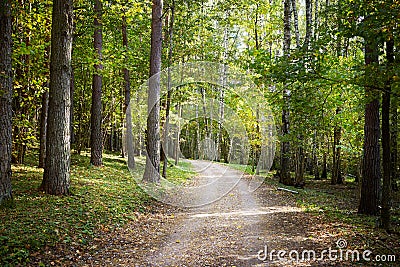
316 20
152 169
315 157
221 106
324 173
127 105
386 160
295 22
394 142
300 161
43 128
168 104
336 169
72 90
96 138
285 176
178 132
371 166
394 135
56 176
308 36
5 100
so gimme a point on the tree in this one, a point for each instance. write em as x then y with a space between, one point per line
152 169
165 148
371 165
56 176
336 171
5 100
43 128
127 106
386 151
285 176
96 138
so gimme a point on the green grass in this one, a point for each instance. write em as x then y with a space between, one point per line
240 167
336 203
180 174
100 197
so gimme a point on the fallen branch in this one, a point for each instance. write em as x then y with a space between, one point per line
287 190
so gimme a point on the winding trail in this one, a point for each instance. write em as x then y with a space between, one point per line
228 231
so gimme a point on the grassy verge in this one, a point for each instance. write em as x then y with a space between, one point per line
180 174
337 203
335 206
100 198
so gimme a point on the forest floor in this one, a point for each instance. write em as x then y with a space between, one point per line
109 221
242 229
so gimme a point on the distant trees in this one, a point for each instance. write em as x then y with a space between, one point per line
56 176
5 100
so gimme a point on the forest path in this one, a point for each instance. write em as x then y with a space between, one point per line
228 232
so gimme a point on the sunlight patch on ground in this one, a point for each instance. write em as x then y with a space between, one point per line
250 212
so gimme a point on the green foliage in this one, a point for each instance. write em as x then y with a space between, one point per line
100 197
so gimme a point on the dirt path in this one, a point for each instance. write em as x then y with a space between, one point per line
228 232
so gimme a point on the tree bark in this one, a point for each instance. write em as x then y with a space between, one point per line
168 104
96 138
386 151
315 157
5 100
371 165
127 105
336 170
309 34
300 161
43 128
295 22
394 135
56 176
178 133
394 141
324 173
152 169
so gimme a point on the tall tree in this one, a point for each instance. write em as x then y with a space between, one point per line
295 22
386 151
285 176
168 102
152 169
308 24
96 138
45 111
371 165
127 107
5 100
56 176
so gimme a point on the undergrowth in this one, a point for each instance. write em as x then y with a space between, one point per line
100 197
